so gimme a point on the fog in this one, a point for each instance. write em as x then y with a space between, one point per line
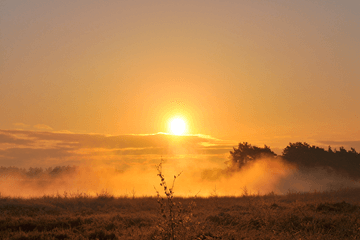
202 179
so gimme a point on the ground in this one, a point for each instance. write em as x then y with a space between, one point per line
327 215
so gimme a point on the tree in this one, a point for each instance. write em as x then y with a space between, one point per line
246 153
341 161
305 155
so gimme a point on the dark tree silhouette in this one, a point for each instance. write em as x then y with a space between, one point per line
341 161
305 155
246 153
346 163
36 173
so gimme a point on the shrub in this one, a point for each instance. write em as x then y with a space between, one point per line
175 218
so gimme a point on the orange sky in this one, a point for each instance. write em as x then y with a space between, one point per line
266 72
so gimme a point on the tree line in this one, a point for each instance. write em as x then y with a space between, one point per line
36 172
303 155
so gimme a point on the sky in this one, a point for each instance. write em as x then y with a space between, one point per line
100 81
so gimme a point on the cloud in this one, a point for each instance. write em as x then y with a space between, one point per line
40 148
346 144
10 139
28 157
42 127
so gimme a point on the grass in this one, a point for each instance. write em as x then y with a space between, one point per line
316 215
329 215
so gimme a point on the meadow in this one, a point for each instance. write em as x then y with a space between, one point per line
314 215
330 214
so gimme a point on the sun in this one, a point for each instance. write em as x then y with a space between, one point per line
177 126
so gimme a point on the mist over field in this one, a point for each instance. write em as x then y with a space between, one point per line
259 177
49 163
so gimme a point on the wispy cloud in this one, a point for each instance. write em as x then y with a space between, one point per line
24 148
345 144
11 139
42 127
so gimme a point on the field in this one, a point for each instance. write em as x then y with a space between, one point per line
326 215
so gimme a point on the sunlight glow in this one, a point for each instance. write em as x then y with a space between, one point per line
177 126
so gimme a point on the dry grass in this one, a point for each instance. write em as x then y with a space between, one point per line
329 215
316 215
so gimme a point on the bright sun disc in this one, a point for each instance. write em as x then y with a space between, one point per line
177 126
